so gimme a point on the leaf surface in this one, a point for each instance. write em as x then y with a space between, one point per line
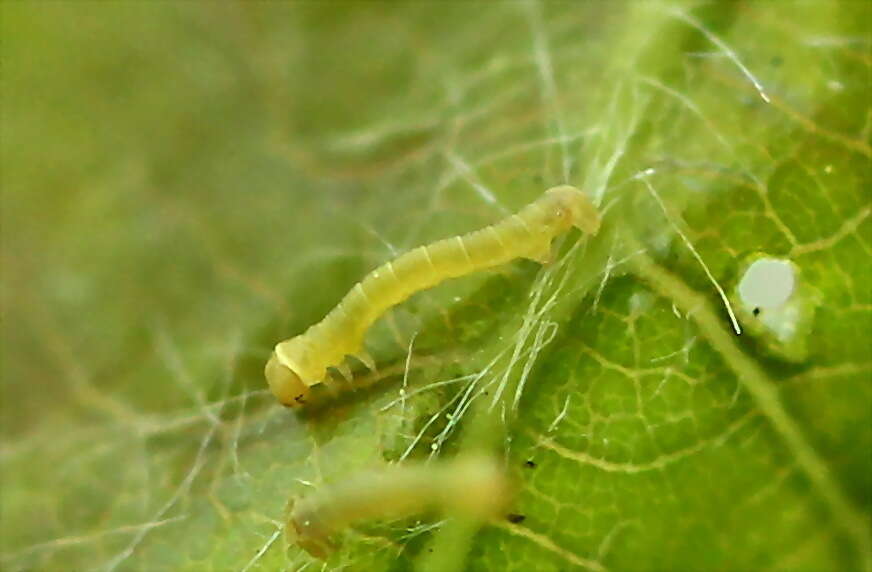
185 185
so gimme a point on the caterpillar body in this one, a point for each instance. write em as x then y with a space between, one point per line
301 362
475 487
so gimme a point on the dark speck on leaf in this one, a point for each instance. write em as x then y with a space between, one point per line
515 518
530 464
756 311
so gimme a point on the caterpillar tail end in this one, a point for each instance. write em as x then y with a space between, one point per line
286 385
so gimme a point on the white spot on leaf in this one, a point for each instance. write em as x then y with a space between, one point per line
775 306
767 283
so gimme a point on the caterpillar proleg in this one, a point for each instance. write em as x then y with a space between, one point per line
475 487
301 362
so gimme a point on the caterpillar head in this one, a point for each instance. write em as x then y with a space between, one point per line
307 531
583 212
286 385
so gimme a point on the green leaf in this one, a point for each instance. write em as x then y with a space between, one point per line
184 185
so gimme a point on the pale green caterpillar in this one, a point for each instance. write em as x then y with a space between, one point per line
475 487
301 362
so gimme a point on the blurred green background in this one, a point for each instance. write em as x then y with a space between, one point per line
185 184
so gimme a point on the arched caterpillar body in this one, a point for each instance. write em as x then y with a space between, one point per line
302 361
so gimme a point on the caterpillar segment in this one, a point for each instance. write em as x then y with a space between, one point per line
301 362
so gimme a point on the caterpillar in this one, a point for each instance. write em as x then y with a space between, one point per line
301 362
474 486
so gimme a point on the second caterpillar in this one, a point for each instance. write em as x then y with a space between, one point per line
301 362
